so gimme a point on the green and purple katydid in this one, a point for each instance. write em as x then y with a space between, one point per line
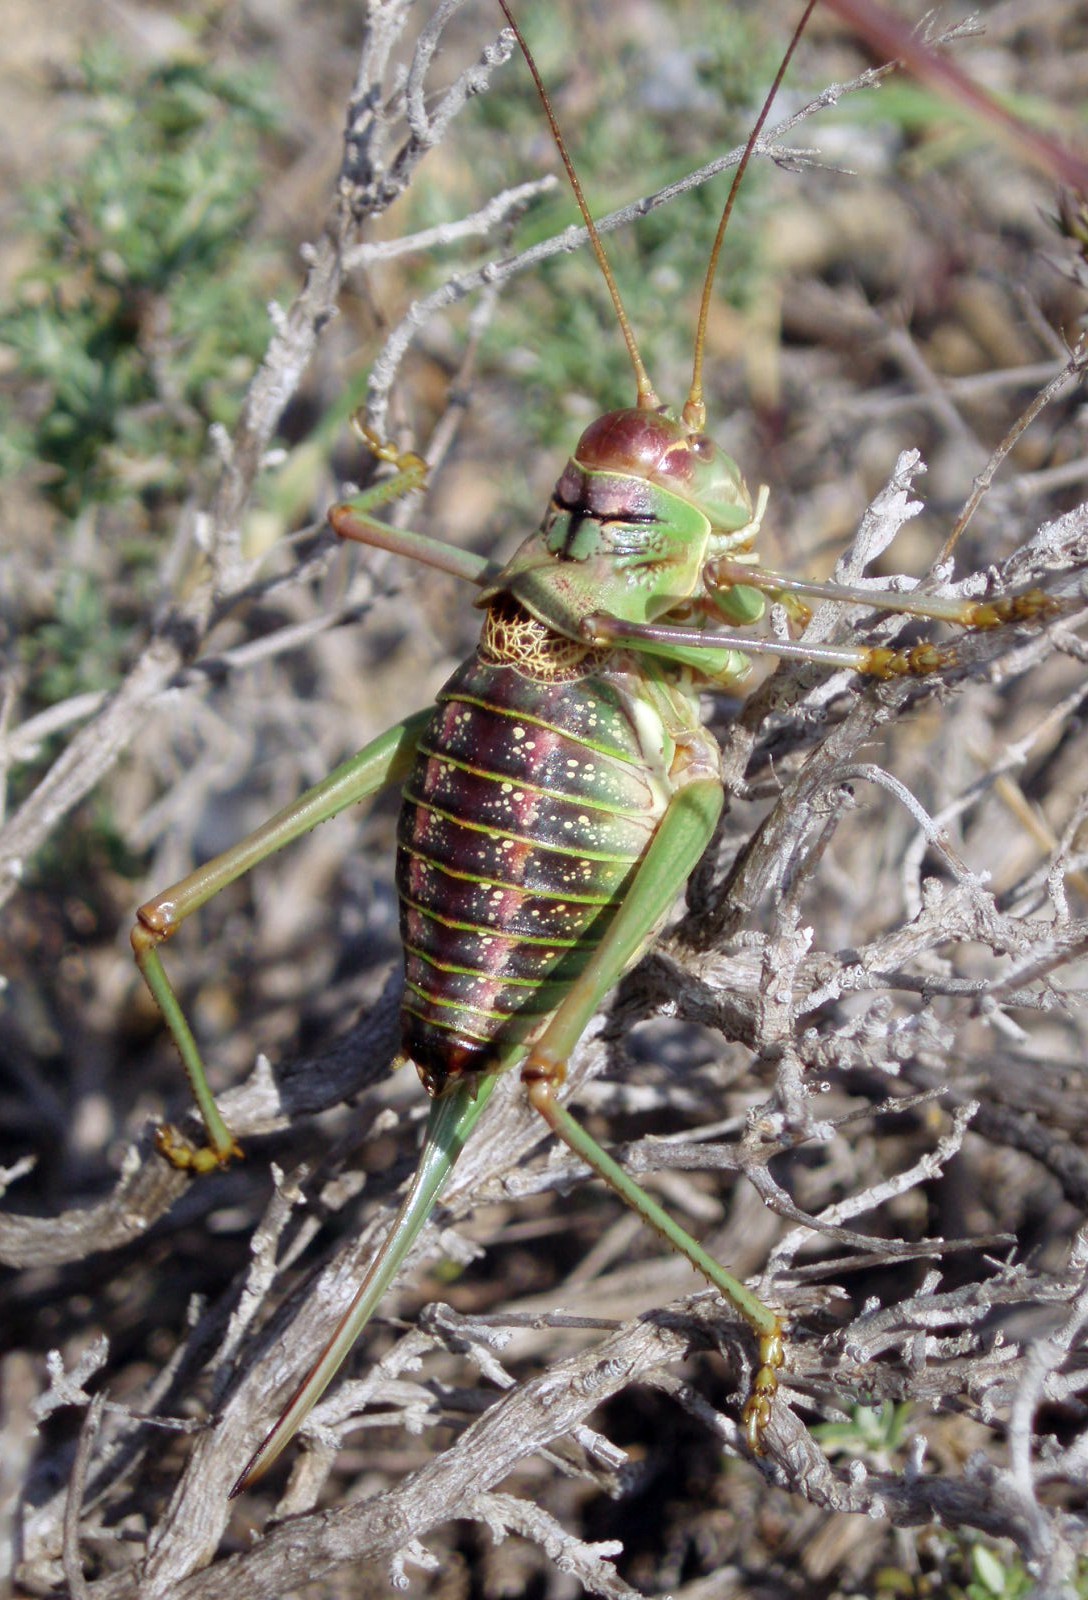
558 796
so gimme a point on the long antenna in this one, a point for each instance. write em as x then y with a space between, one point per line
647 399
694 413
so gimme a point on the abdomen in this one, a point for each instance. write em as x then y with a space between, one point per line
525 816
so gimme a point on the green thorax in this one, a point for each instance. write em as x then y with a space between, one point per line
641 508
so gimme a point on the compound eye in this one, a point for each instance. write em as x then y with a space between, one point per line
702 447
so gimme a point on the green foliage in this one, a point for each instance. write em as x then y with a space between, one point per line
136 322
995 1579
68 646
871 1432
976 1570
996 1572
142 312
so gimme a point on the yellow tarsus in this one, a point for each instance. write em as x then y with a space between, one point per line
384 450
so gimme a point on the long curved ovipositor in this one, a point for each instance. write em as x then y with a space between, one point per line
451 1121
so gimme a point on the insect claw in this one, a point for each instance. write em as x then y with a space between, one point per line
918 662
174 1146
1032 606
760 1403
384 449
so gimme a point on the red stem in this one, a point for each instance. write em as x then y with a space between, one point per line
890 36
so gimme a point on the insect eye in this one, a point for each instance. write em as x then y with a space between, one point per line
702 447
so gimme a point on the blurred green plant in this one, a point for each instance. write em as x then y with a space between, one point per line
970 1571
871 1432
142 312
998 1573
136 321
993 1578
